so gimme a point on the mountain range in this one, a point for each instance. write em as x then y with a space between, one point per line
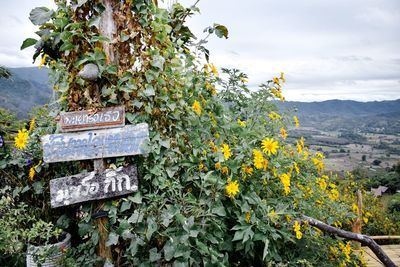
347 115
29 87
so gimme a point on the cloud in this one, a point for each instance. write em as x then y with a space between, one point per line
328 49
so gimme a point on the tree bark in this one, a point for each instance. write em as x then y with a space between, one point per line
363 239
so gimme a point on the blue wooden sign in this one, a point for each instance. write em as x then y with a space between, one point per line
95 144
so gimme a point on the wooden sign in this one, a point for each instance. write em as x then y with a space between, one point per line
85 120
95 144
91 186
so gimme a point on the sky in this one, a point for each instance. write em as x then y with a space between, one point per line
337 49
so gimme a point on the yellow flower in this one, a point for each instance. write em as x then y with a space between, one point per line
296 121
319 164
196 107
225 170
285 180
269 146
274 116
241 123
43 61
21 139
337 224
247 169
355 208
213 147
210 88
31 173
306 154
296 168
201 167
334 194
226 151
301 141
248 217
206 69
282 78
258 159
217 166
308 192
265 164
346 249
320 155
232 189
276 80
277 93
32 124
299 148
243 79
283 133
214 70
296 229
322 183
365 219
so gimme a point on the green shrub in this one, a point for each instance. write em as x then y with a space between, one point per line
219 184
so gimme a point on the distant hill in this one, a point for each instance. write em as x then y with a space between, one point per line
347 115
27 87
343 108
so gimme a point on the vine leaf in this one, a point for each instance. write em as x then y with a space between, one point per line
28 42
221 31
40 15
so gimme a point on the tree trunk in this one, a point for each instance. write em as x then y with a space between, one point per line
107 29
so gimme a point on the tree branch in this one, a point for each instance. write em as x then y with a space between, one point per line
363 239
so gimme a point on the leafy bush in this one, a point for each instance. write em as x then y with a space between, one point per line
394 204
19 226
219 184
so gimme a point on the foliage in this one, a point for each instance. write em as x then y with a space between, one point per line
20 226
394 204
4 73
26 213
388 178
219 184
377 216
382 220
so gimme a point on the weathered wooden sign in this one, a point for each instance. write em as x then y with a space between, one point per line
91 186
85 120
95 144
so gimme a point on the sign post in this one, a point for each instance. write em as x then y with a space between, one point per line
95 136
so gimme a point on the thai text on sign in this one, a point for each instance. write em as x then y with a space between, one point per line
85 120
95 144
91 186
